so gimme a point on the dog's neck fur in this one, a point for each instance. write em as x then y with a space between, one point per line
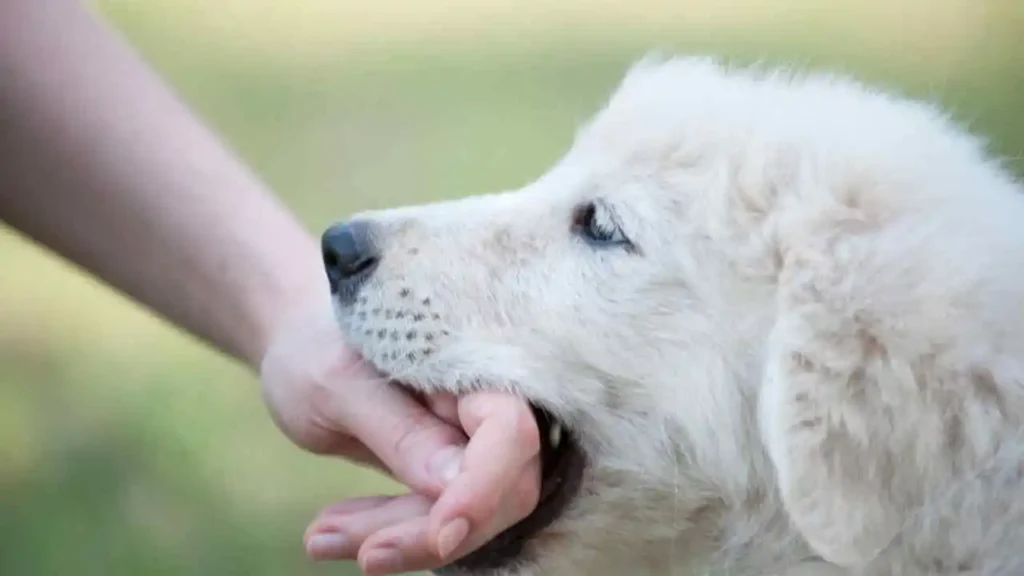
742 528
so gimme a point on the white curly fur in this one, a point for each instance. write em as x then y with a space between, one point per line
811 363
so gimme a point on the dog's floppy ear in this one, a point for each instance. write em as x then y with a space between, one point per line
825 417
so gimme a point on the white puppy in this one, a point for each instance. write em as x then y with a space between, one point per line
769 322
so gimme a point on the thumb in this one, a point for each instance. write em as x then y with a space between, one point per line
422 451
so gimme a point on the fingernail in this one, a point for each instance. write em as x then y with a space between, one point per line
327 545
452 534
384 561
445 464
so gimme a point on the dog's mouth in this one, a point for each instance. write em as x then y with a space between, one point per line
563 463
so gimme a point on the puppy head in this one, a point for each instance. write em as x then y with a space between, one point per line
569 293
628 294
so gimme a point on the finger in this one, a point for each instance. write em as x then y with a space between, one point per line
353 505
421 450
402 547
499 481
458 537
324 540
337 536
399 548
352 450
445 406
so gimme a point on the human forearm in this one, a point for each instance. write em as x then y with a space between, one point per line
100 162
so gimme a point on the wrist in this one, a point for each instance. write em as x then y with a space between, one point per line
302 291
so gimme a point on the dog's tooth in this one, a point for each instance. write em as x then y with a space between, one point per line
555 435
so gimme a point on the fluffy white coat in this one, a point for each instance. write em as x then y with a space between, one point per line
807 357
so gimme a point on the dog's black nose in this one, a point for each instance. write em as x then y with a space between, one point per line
349 258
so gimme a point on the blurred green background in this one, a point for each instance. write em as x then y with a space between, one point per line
127 448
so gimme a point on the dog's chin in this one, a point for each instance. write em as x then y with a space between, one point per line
563 463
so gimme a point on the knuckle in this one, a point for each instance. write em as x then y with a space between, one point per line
415 430
488 508
480 504
526 495
526 431
320 395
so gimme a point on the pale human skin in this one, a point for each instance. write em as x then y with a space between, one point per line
100 162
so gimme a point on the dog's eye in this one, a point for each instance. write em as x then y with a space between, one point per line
595 223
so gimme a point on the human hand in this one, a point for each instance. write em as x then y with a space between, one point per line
465 490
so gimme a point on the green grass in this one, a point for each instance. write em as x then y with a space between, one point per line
127 448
